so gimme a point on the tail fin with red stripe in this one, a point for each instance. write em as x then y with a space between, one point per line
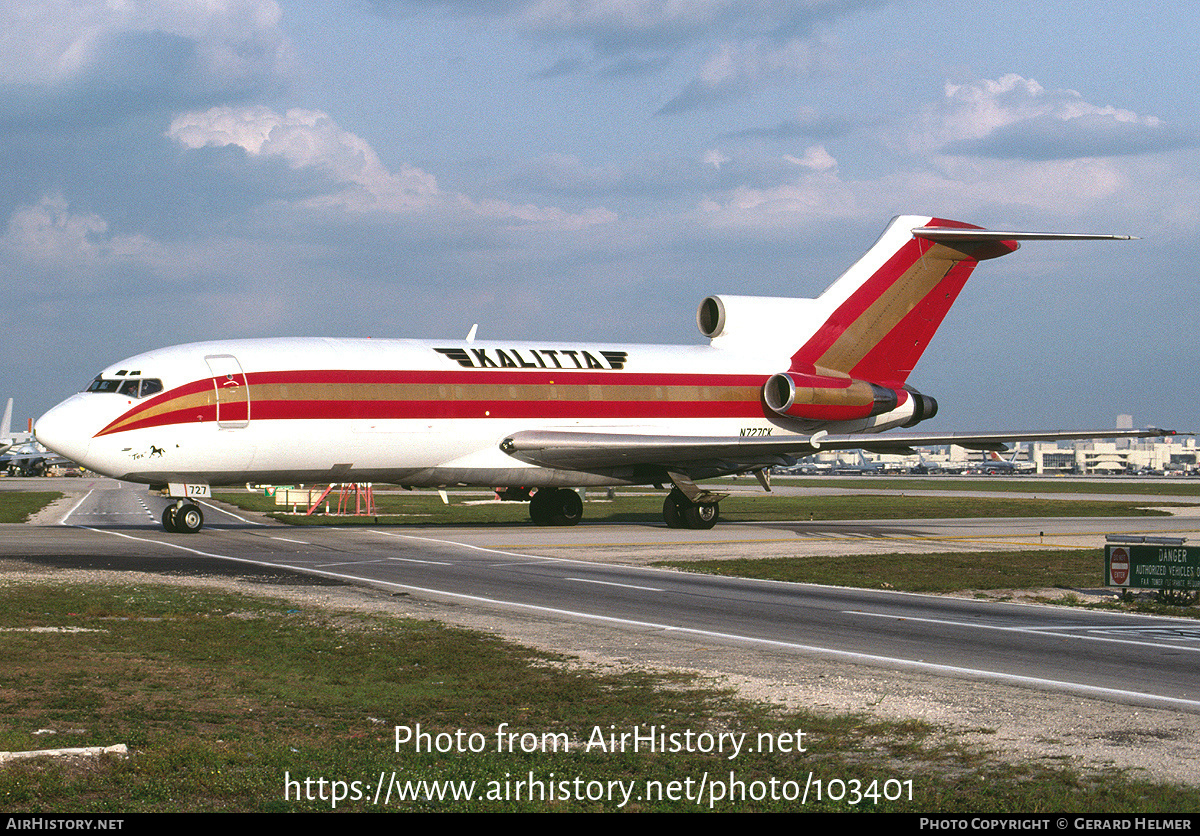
854 346
874 322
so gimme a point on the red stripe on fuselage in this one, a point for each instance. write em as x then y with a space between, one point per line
468 377
159 411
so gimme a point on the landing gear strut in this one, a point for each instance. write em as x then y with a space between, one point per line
681 512
556 506
183 518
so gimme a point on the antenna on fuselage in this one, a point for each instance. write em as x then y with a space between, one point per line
471 333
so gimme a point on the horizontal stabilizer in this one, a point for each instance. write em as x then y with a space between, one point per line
949 234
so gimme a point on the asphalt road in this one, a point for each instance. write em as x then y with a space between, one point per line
1127 659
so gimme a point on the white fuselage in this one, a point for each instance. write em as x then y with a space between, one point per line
414 412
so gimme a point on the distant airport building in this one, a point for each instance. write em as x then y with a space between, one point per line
1175 455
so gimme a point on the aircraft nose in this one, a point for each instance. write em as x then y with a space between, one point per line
65 430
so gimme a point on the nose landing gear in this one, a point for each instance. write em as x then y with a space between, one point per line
183 518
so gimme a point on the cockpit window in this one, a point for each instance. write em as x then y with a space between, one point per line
102 385
130 388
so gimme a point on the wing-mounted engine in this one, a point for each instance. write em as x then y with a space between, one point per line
819 397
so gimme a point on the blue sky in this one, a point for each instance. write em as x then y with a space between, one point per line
591 169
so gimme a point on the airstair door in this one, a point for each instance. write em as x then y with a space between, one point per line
233 395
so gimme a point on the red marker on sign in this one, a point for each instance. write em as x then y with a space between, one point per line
1118 566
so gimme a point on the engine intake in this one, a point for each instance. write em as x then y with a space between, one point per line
757 318
827 398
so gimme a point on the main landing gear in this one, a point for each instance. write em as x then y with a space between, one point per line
556 506
681 512
183 518
561 506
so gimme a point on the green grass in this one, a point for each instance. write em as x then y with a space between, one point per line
18 506
941 572
1015 484
421 508
221 696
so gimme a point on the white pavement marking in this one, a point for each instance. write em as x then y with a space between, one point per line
1089 690
229 513
610 583
74 507
1061 632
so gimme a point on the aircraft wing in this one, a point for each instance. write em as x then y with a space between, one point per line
590 451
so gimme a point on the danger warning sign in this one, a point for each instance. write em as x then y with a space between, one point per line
1153 565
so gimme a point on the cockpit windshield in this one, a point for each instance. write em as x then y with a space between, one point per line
130 387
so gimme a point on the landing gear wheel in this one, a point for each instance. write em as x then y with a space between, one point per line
539 507
681 512
168 519
555 506
189 519
673 511
701 517
568 507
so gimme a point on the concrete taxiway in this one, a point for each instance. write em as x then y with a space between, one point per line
568 575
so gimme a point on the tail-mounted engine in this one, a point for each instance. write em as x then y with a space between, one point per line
817 397
924 407
757 319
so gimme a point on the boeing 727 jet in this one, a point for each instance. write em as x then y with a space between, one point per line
780 379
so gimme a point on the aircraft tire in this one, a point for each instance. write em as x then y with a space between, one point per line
539 507
570 508
566 507
168 519
701 517
673 512
558 506
189 519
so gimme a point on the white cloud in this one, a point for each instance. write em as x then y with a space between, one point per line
61 56
749 43
739 67
982 153
980 107
815 158
1015 117
816 193
311 140
51 233
613 25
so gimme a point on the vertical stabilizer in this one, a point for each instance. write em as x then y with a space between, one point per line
6 437
885 309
